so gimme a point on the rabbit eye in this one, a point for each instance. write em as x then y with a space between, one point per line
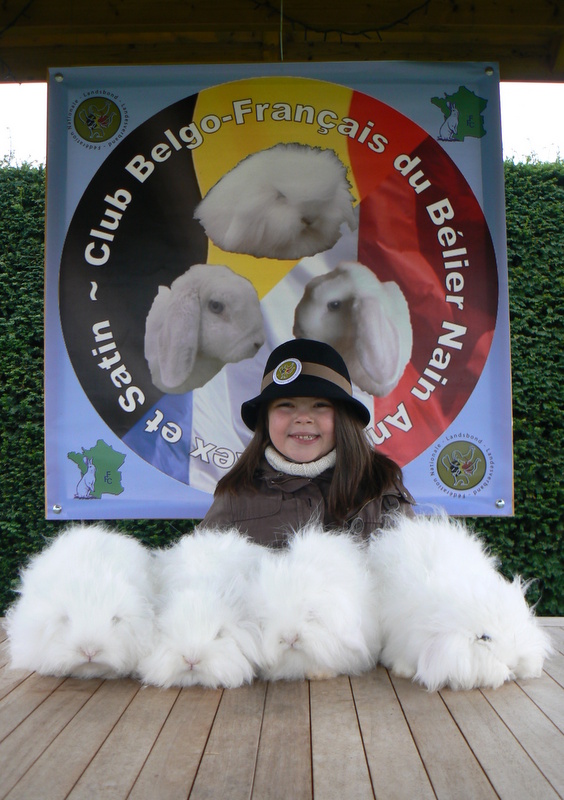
334 305
220 634
116 620
484 638
215 306
65 619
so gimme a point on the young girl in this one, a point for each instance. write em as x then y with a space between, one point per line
309 456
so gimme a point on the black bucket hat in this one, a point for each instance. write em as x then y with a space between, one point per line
304 368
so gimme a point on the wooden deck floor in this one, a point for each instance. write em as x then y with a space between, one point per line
343 739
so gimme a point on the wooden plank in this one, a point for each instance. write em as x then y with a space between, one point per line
538 736
60 766
452 768
228 764
4 651
4 655
340 769
554 667
359 15
171 767
25 64
34 735
284 758
548 696
23 700
114 769
395 765
10 678
513 775
557 638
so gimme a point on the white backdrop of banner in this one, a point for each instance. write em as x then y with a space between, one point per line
198 216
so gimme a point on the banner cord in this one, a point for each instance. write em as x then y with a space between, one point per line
280 35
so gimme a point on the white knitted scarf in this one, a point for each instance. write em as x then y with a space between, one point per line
309 469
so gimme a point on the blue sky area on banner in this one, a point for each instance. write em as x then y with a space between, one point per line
532 119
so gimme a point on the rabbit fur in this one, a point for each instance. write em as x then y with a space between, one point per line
286 202
365 320
315 605
204 634
84 606
448 617
210 316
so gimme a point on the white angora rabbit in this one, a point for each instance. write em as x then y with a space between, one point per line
315 604
286 202
206 553
209 317
365 320
204 635
85 606
449 618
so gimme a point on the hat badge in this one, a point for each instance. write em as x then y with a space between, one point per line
287 371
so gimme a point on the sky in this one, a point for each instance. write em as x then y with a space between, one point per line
532 121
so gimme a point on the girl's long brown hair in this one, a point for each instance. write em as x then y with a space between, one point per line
361 472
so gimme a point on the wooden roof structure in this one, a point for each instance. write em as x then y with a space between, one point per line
525 38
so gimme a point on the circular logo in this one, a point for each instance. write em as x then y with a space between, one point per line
461 465
411 198
287 371
97 119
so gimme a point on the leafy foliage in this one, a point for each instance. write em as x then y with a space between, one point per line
530 543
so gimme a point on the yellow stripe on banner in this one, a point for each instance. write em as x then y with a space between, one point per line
259 109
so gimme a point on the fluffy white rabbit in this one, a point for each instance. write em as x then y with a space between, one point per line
206 553
85 606
315 605
209 317
365 320
449 618
286 202
204 634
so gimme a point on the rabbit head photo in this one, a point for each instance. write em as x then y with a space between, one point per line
367 321
286 202
210 316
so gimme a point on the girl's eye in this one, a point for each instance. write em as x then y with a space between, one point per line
215 306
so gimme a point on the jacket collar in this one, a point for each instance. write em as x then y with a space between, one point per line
309 469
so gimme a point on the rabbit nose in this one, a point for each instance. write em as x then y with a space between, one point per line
89 653
291 639
191 662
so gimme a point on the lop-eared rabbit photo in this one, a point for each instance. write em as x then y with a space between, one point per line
366 320
210 316
286 202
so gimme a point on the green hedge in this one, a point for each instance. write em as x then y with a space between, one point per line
530 543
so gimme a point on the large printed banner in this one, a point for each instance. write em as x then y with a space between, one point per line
197 217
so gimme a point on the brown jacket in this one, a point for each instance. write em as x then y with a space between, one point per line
283 502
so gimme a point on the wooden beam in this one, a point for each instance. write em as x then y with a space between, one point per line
524 38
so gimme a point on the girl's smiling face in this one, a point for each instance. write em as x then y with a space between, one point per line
302 428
